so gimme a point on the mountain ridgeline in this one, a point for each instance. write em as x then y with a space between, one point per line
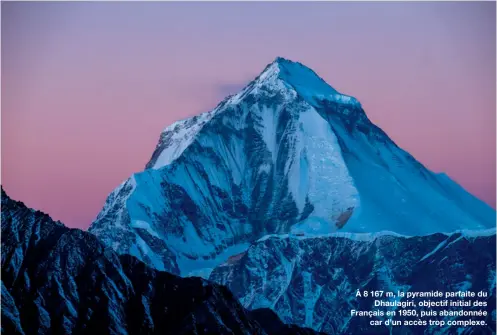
287 154
57 280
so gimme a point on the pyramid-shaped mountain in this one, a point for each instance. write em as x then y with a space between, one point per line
286 155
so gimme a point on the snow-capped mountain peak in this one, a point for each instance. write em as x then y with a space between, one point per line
298 78
287 154
281 77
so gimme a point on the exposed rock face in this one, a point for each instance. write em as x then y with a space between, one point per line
313 282
287 153
57 280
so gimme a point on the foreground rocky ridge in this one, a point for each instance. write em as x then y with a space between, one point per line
57 280
313 282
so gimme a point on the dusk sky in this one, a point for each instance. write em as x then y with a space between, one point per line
87 87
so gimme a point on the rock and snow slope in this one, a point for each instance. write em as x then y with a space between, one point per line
313 281
286 154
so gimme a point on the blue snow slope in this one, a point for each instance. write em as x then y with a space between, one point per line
287 154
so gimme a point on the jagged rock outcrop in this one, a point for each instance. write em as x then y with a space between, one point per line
57 280
313 282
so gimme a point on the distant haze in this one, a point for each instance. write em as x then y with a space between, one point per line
87 87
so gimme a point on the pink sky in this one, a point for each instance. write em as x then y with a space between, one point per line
88 87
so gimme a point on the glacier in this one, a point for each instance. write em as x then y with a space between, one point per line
288 154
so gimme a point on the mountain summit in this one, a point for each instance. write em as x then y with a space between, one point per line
287 154
298 78
283 76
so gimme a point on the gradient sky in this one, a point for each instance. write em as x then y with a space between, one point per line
87 87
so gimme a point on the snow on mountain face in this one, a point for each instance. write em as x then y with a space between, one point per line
286 154
313 281
57 280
